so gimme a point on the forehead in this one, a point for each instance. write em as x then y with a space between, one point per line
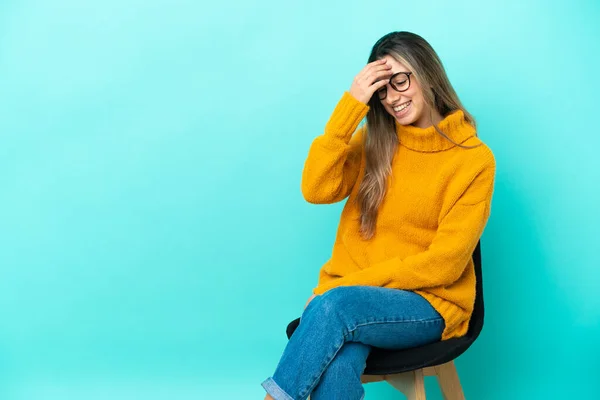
396 65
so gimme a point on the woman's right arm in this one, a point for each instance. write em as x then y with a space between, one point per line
333 162
334 158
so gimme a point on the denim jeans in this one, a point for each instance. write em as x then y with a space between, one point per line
326 355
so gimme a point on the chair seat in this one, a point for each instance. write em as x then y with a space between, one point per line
385 362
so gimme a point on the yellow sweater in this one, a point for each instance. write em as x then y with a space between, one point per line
436 206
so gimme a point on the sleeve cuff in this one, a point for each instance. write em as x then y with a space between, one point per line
345 117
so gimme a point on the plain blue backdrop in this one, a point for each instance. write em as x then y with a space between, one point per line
154 242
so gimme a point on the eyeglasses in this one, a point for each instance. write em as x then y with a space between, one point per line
400 82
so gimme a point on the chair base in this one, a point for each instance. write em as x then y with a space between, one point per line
412 383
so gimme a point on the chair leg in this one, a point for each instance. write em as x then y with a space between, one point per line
371 378
449 382
410 383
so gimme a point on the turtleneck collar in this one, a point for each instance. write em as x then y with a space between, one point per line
454 125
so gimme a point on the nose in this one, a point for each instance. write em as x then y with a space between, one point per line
392 96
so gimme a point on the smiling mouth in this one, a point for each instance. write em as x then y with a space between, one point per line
402 107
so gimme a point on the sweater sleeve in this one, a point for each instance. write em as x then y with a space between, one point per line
446 257
333 162
324 277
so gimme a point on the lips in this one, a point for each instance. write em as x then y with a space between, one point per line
401 104
404 110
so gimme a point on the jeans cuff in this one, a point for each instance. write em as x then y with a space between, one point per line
274 390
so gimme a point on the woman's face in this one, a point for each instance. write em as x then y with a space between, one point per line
416 112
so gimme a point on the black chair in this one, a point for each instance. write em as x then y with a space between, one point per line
405 369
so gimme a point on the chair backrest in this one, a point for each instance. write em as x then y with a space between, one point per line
476 323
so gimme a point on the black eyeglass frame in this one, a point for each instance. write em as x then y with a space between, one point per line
392 84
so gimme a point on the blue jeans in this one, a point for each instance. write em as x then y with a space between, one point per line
326 355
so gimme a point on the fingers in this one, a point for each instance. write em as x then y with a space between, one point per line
379 84
377 79
370 78
378 74
375 63
374 68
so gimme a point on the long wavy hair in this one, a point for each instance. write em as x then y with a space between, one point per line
381 141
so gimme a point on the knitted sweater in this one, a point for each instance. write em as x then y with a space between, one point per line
436 206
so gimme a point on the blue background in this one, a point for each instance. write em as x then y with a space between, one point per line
154 242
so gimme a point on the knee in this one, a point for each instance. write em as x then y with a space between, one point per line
334 301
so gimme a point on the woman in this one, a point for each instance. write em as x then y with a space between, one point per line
420 185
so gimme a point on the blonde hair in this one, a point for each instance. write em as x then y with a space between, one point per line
380 140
